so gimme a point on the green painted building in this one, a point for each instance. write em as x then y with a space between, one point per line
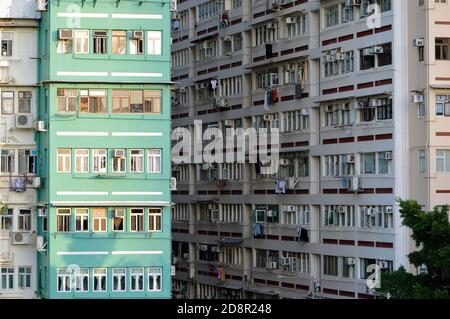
104 150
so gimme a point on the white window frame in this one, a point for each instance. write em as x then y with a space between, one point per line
152 161
99 160
122 273
153 214
154 42
137 161
134 278
83 156
66 160
142 213
84 214
77 34
102 275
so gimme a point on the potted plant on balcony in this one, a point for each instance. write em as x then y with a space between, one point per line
3 207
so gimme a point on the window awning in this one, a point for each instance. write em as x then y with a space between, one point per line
262 292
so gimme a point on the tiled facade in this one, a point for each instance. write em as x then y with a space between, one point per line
340 88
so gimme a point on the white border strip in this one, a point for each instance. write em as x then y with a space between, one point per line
81 253
137 74
136 134
138 252
82 133
69 73
82 15
81 193
137 193
136 16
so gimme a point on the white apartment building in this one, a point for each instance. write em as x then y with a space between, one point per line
18 97
361 105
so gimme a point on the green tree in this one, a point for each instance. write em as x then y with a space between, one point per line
431 232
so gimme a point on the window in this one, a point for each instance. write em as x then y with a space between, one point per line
443 160
119 42
376 56
442 105
152 101
137 161
24 220
27 162
331 16
67 100
136 44
386 266
119 279
100 39
137 219
137 279
64 280
24 277
82 161
7 102
100 279
383 163
154 42
82 279
93 101
348 269
377 217
368 163
155 279
330 266
99 161
81 219
154 219
24 101
7 278
7 161
64 46
119 161
422 161
154 161
63 220
7 42
63 159
100 219
82 41
6 219
119 220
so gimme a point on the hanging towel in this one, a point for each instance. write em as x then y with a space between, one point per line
280 187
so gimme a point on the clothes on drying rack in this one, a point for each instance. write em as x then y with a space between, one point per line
258 230
302 234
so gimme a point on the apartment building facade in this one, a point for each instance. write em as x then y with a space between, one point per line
335 77
18 179
103 222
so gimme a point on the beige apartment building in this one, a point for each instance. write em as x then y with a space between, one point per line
359 90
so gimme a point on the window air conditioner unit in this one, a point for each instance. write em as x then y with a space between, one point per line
137 34
270 25
20 238
351 158
331 108
350 261
368 51
289 208
272 265
228 38
383 264
40 126
291 20
41 5
351 3
228 123
269 213
42 212
370 211
389 210
341 209
375 102
378 49
285 162
119 153
419 43
418 98
388 155
267 117
341 56
24 121
286 261
442 98
354 185
65 34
